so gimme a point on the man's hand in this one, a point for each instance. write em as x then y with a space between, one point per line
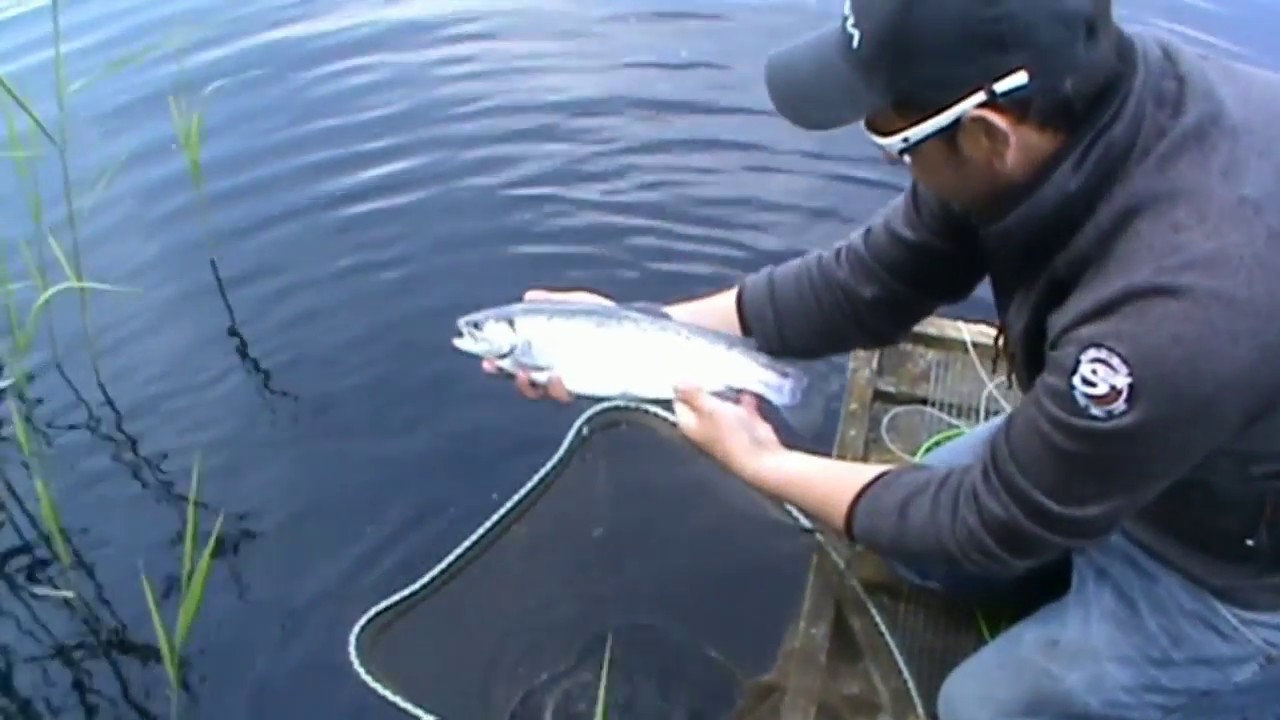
733 434
744 443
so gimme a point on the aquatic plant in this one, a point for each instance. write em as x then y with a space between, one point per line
188 125
25 145
602 711
194 577
24 326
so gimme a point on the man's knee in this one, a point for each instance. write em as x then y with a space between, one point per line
996 683
1038 668
980 689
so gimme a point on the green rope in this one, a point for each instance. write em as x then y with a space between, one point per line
938 440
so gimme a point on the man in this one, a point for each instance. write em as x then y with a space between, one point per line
1119 192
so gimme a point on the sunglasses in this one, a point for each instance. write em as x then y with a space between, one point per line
902 142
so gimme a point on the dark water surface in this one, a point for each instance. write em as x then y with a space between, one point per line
372 169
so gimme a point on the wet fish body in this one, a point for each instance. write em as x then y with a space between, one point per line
616 351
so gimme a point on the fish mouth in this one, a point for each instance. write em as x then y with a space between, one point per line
466 345
471 339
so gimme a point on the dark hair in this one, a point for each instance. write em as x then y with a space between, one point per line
1064 106
1058 110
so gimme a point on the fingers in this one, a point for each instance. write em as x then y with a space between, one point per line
690 405
691 396
528 388
686 418
537 295
554 388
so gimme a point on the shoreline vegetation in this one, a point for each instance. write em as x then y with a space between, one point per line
58 571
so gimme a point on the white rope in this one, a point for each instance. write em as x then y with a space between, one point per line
886 436
991 388
987 380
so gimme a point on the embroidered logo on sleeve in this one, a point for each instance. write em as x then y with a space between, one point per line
1101 382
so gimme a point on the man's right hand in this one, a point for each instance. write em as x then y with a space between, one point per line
554 388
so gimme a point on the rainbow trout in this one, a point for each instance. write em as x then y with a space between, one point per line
620 351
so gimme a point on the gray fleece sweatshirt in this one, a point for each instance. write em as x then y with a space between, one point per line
1139 288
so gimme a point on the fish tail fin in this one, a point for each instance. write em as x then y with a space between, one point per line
790 391
786 388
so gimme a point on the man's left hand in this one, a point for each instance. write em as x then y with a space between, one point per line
732 433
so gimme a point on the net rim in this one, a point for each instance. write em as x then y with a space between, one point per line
574 435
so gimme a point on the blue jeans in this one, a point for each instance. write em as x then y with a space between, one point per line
1129 639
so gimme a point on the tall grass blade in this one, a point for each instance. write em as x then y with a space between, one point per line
193 599
119 64
189 536
53 522
162 636
34 266
20 428
602 709
10 306
49 294
188 126
68 197
12 92
61 256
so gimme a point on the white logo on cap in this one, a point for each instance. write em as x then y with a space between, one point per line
1101 382
851 25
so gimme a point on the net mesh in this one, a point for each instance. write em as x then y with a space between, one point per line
629 538
710 601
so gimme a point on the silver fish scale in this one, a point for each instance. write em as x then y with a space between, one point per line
622 355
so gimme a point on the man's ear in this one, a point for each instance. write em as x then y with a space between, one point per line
988 137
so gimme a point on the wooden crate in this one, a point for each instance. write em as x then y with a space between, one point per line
944 365
860 624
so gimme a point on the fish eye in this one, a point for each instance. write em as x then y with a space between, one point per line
470 327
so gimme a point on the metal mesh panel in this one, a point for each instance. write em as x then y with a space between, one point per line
866 644
900 400
911 394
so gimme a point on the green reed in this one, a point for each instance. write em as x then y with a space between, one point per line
188 127
25 146
602 711
194 579
23 327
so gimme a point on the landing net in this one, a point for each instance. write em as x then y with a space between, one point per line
709 600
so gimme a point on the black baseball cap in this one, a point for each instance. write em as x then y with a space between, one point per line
930 53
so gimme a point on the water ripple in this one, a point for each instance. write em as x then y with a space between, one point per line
372 170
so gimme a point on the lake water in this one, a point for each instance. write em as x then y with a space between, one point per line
371 170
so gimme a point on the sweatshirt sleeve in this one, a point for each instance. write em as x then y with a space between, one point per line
1129 401
916 256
